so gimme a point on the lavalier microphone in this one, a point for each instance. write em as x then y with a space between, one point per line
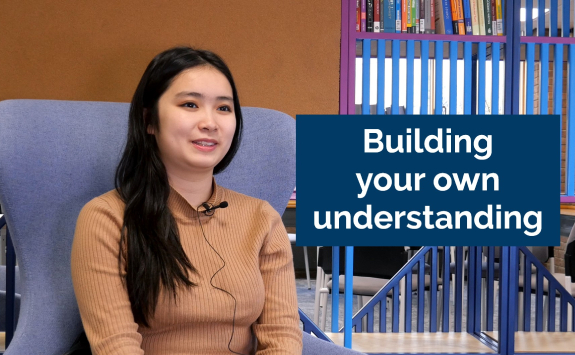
209 209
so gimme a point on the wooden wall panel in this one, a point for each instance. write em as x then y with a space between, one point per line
284 54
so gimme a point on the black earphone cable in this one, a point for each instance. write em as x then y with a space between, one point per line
212 278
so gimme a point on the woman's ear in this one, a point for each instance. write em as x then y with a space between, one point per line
149 128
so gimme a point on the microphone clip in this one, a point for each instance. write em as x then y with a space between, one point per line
210 209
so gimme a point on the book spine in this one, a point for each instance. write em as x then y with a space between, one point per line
376 16
432 14
404 16
446 10
467 17
487 11
389 16
363 15
460 18
369 15
408 16
499 17
481 17
413 16
427 16
474 18
417 16
357 15
423 19
398 16
454 17
493 17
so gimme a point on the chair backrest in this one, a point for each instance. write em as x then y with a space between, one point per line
55 156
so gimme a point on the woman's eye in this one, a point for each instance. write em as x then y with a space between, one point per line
190 105
225 108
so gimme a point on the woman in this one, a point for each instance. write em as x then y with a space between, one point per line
169 262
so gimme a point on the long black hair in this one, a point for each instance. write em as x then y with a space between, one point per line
150 243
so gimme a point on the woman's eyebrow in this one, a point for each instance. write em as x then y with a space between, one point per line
201 96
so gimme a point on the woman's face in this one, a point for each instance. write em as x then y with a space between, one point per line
196 121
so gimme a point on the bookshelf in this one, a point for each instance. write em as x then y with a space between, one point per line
500 74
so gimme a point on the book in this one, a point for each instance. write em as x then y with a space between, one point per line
376 16
454 17
408 18
422 18
417 16
443 23
494 17
488 17
369 15
357 15
413 16
404 16
363 15
432 15
460 18
398 16
467 17
481 16
389 16
499 7
474 17
427 11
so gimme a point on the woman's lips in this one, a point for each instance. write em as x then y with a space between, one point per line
207 145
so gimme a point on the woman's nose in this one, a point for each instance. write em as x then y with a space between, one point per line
208 122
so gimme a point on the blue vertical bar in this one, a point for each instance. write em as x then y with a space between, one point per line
529 17
408 302
504 320
395 76
490 287
541 18
512 26
438 77
481 79
471 291
544 79
478 272
424 77
433 292
365 76
553 17
558 91
380 76
551 318
395 314
539 302
420 295
335 290
383 316
512 294
458 288
495 78
563 317
10 287
453 77
467 78
526 295
566 13
410 84
446 290
370 321
474 96
530 84
348 297
570 153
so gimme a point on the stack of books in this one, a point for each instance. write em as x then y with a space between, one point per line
461 17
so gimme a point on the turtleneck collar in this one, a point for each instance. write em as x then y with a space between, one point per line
181 208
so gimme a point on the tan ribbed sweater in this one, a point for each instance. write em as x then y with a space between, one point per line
249 236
